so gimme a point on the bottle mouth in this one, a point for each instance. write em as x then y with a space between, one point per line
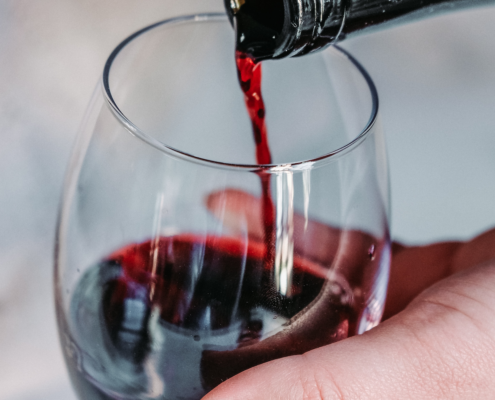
284 28
136 131
261 26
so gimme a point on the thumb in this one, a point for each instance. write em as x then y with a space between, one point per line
441 346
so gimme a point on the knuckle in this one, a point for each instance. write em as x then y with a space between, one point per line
317 383
457 347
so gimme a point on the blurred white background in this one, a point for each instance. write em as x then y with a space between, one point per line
436 81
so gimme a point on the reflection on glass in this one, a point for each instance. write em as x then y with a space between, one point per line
162 288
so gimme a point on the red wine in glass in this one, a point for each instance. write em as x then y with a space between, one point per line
137 311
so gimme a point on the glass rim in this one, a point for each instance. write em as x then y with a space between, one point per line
269 168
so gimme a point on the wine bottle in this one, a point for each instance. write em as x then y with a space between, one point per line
269 29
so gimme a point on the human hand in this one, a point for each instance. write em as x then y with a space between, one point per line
441 346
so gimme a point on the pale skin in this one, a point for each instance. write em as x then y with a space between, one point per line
437 342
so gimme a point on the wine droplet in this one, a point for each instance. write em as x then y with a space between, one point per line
371 252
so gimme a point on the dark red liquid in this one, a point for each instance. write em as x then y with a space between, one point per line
250 77
199 311
250 73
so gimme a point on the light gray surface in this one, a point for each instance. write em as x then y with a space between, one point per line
436 81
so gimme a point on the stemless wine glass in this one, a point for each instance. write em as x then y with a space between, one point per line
161 281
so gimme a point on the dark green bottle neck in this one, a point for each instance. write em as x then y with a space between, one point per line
285 28
367 15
